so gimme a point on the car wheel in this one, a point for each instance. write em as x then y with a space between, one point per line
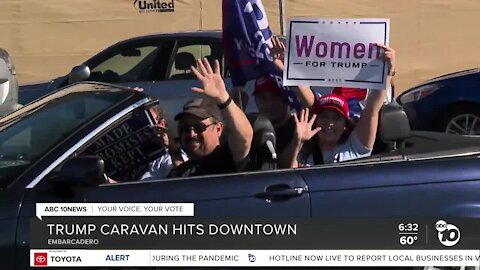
462 120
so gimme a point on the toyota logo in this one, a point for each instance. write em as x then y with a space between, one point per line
40 259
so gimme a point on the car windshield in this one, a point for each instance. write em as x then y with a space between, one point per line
29 133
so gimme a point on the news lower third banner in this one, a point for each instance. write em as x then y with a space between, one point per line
174 237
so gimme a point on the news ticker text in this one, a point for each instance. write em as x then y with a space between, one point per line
211 258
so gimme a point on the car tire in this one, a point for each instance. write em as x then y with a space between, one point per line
460 119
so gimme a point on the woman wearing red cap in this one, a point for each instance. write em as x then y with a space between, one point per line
329 136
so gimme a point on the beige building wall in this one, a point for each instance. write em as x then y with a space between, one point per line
48 37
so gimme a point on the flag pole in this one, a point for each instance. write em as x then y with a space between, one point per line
281 7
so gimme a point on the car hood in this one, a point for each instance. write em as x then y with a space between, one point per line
455 75
463 73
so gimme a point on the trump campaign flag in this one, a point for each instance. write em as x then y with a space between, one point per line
247 43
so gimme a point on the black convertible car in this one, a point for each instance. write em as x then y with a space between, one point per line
59 148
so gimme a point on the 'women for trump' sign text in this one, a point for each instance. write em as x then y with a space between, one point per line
337 52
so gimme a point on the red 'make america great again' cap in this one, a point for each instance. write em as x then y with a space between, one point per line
266 84
332 101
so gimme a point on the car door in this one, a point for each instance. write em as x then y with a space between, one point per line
397 188
13 162
10 202
266 194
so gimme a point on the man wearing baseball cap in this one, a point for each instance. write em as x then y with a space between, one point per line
201 124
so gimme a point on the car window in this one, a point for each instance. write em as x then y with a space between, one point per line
29 136
128 146
186 55
130 64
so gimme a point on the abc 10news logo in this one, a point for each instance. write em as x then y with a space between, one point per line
448 234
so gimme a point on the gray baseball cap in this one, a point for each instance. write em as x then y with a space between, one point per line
200 107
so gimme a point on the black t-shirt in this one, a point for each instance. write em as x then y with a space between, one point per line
218 162
311 147
284 134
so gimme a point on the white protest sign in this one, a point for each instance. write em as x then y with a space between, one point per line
113 209
336 52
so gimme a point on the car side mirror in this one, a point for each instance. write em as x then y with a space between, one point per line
4 83
85 171
78 74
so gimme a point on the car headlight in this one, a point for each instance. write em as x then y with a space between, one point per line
419 93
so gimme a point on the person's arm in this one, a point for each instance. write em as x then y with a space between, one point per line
392 87
304 93
241 133
303 132
172 147
367 125
110 180
176 156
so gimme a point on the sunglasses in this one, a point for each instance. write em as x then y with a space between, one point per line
197 127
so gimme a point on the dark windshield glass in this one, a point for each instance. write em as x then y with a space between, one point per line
28 136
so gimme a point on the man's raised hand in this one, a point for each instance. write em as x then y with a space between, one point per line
212 81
